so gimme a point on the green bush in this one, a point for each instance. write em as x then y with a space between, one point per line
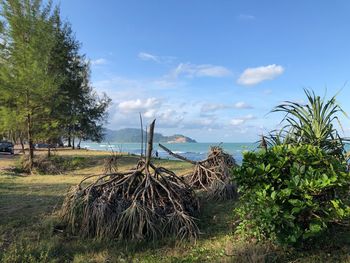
54 164
291 194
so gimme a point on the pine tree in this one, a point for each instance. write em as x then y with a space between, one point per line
80 110
45 90
25 83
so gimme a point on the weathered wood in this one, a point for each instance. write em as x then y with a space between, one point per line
141 135
146 140
150 144
176 155
263 143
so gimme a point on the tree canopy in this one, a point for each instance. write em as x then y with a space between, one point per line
45 89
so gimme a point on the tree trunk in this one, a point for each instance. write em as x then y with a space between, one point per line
78 146
48 151
150 144
141 135
14 137
69 140
60 142
22 144
30 141
73 145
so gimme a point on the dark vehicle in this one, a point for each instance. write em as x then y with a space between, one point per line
41 145
6 147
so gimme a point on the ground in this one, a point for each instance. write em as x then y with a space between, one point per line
28 214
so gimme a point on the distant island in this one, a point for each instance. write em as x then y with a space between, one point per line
132 135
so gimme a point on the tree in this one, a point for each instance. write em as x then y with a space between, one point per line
45 90
26 86
80 111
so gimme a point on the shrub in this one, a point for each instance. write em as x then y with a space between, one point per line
291 194
312 123
52 165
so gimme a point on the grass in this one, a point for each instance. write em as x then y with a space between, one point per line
28 213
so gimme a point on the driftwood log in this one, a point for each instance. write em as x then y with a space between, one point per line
146 202
212 174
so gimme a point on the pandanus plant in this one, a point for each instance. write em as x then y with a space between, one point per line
312 123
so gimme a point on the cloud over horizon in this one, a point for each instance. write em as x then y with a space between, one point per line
139 105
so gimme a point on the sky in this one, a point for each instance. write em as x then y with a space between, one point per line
212 70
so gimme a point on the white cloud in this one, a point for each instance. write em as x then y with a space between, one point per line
236 122
253 76
99 61
242 105
202 123
139 105
211 107
203 70
164 83
147 56
122 89
126 113
241 120
246 17
159 59
150 113
170 117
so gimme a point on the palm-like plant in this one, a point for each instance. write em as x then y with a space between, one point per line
313 123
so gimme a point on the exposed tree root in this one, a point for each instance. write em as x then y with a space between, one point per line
111 163
212 174
147 202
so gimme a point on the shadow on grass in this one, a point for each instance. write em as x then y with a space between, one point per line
30 215
214 221
27 212
216 217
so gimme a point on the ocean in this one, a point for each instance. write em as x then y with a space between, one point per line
192 151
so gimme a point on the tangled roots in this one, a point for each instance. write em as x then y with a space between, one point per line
134 205
213 175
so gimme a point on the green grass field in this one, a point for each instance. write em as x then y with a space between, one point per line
28 214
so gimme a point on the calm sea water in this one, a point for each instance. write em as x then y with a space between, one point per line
192 151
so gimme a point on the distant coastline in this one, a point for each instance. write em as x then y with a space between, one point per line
132 135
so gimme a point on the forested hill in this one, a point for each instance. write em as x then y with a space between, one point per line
130 135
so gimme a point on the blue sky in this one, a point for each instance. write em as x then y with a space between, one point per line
212 70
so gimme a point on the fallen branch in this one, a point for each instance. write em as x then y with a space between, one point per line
176 155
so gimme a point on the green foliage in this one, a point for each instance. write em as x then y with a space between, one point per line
311 123
45 89
26 253
291 193
54 164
